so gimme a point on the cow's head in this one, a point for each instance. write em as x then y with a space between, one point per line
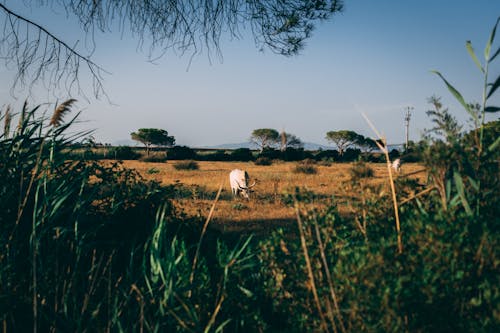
245 190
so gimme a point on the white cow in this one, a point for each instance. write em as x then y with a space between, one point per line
239 183
396 165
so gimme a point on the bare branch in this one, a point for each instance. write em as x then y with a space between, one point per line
36 54
183 26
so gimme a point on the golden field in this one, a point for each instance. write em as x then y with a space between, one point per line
266 206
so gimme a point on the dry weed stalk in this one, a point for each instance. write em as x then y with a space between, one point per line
203 231
427 190
309 267
383 148
140 299
329 279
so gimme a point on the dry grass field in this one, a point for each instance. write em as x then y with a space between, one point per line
266 207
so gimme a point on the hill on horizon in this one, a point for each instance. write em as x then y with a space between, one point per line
249 145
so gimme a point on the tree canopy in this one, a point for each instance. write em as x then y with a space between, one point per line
153 137
187 26
264 137
344 139
288 140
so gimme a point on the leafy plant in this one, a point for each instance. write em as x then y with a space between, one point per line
187 165
263 161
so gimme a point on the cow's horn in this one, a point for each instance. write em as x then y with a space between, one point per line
250 186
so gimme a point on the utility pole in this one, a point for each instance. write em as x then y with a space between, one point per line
407 124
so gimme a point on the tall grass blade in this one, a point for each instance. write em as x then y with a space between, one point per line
461 192
494 87
205 226
454 92
494 145
495 55
470 49
491 109
487 49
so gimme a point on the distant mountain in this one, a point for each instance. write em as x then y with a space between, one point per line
230 146
307 146
124 142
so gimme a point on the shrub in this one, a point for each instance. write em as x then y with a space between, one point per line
394 153
350 155
263 161
123 153
270 153
331 155
361 170
155 157
218 155
181 153
152 171
295 154
186 165
241 154
308 169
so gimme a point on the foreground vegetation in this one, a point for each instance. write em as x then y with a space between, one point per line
90 246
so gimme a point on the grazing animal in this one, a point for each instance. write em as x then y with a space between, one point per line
396 165
239 183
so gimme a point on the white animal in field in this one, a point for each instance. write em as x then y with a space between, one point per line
239 183
396 165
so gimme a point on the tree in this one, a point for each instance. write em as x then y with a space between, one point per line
188 26
344 139
153 137
288 140
367 144
265 138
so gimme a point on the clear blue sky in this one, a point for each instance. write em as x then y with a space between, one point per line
375 58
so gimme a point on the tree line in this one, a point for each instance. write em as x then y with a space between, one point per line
264 138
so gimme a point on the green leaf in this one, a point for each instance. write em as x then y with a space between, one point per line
468 45
494 145
473 183
454 92
495 55
487 49
491 109
459 184
494 86
245 291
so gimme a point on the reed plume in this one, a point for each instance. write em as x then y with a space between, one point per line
60 111
22 117
7 121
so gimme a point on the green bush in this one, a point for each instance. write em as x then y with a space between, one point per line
241 154
361 170
263 161
123 153
181 153
305 168
152 171
155 157
186 165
